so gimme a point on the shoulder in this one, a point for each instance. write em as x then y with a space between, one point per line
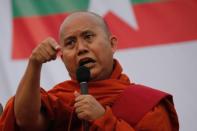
145 93
137 100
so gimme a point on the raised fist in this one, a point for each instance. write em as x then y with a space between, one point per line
46 51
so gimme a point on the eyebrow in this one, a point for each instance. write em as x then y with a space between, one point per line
85 32
81 34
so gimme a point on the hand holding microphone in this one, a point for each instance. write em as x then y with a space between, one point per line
86 106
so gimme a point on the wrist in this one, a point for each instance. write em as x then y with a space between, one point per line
34 63
107 116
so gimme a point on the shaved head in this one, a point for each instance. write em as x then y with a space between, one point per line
86 40
100 21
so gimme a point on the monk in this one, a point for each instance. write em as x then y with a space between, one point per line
113 103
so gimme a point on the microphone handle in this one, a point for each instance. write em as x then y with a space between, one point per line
84 90
1 108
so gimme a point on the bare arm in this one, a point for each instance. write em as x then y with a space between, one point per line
28 99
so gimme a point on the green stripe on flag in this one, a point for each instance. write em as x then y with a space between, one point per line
22 8
45 7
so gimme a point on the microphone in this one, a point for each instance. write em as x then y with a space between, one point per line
83 76
1 108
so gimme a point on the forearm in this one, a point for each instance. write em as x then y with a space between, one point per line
28 100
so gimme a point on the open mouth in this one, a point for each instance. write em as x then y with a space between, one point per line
86 61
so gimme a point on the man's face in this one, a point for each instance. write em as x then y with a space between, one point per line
85 42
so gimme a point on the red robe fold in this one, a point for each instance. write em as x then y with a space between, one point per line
137 100
57 106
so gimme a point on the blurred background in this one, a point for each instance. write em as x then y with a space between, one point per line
157 44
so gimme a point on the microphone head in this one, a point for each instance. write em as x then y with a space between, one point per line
83 74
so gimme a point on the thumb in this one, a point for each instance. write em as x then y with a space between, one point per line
57 47
76 93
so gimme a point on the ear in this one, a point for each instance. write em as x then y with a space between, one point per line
113 42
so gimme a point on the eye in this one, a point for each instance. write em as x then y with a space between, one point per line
89 36
69 43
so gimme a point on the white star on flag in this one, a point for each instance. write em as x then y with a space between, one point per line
121 8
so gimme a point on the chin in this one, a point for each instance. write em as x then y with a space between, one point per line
94 75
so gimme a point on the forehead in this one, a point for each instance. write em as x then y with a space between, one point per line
80 22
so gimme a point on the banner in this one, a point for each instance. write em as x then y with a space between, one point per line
157 44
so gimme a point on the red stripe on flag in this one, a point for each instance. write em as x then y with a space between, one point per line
30 31
159 23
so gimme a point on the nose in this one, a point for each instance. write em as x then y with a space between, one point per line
82 47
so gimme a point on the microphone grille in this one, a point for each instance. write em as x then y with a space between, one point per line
83 74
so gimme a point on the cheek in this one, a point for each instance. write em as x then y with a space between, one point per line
106 56
69 60
104 52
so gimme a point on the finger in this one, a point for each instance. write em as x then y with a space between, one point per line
80 104
52 53
40 58
44 54
83 115
76 93
54 44
79 109
50 46
56 47
80 98
84 98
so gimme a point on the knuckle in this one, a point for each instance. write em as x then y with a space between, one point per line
48 39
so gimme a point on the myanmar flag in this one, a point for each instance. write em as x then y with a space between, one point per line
157 44
139 23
